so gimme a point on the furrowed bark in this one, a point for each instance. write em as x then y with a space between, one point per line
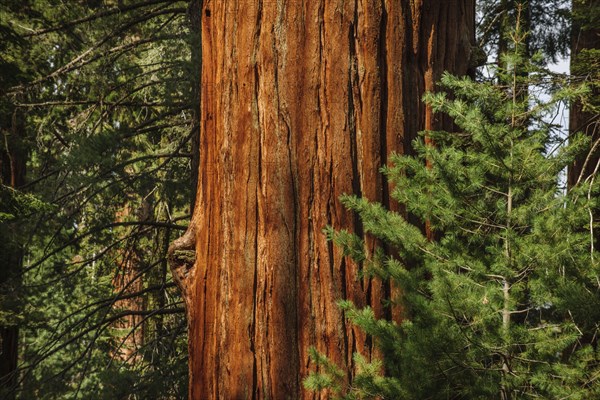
301 102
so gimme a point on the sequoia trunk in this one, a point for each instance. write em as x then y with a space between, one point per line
301 102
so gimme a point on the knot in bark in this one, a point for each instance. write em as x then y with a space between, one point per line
182 257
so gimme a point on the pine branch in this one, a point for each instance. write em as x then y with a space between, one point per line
78 238
98 15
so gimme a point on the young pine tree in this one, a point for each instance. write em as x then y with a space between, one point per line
505 302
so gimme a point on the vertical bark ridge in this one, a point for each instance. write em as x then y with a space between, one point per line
383 61
385 289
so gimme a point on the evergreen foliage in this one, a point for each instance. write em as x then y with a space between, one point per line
547 20
105 93
505 302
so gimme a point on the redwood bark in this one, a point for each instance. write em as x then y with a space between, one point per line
301 102
128 280
130 338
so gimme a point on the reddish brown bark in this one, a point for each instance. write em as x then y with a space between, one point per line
128 280
584 37
301 102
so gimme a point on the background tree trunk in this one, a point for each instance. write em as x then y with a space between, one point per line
12 173
301 102
128 280
585 36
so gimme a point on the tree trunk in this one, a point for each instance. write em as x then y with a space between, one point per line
128 280
584 37
301 102
130 328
